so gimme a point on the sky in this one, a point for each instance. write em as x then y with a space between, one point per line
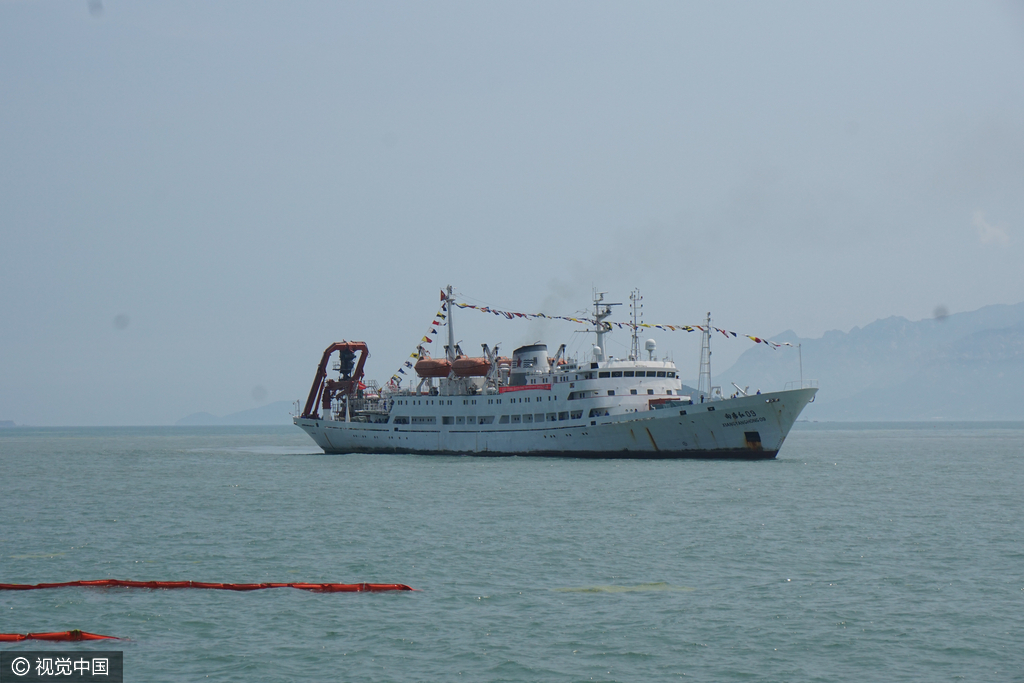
197 198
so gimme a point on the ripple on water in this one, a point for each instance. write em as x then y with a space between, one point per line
885 553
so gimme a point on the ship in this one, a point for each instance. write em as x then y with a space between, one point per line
541 404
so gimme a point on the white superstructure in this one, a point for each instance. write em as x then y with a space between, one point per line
540 405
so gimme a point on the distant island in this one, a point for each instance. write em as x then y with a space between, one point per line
7 423
276 413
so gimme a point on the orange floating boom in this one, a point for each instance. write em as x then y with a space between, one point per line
58 635
120 583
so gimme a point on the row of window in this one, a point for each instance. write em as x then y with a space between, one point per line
469 401
540 417
577 395
489 419
467 420
638 373
623 373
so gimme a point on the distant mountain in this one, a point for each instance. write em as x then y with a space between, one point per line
277 413
967 366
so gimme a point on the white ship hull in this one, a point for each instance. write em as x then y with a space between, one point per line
746 427
535 405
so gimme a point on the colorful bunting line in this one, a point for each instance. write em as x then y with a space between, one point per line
590 321
440 318
396 379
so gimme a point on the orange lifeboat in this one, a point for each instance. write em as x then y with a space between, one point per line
464 366
432 367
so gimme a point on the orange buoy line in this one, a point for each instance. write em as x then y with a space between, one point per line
120 583
58 635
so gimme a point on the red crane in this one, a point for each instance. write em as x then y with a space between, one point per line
323 389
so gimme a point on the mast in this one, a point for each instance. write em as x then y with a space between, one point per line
800 354
599 330
601 311
451 330
704 378
635 306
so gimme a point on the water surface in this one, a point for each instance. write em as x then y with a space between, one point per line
865 551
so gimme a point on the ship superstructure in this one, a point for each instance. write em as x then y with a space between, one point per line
537 403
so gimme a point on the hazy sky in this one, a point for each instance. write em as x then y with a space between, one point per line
196 198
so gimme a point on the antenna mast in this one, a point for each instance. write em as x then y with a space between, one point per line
638 317
601 311
800 354
451 330
704 379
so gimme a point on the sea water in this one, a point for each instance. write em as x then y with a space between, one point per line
864 552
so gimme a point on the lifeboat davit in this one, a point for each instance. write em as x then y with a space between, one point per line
464 366
432 367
